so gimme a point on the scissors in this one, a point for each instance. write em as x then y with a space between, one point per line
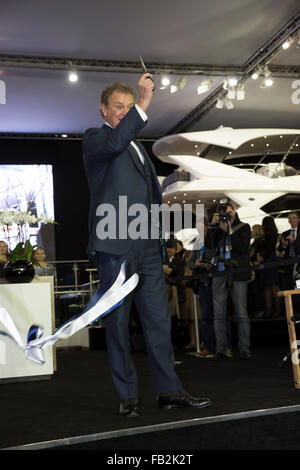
145 70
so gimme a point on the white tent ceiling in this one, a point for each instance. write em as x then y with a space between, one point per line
215 35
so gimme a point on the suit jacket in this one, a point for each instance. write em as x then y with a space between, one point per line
296 242
114 169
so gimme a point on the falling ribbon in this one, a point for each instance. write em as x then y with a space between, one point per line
99 306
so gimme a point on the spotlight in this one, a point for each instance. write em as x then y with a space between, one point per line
232 81
73 77
255 75
266 71
179 85
204 86
165 81
240 93
231 94
182 83
229 104
287 44
266 83
219 104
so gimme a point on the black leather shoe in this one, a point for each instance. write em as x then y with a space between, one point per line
245 355
185 400
130 408
219 355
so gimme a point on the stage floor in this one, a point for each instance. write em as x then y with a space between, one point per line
79 399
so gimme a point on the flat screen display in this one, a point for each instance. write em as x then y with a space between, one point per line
29 188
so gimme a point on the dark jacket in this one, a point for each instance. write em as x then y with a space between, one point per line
113 169
240 243
296 243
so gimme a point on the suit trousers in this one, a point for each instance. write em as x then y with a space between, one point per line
144 258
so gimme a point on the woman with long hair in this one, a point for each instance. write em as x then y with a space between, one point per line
269 279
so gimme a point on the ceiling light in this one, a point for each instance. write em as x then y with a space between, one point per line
232 81
231 94
287 44
174 88
267 82
165 81
266 71
204 86
182 83
240 93
73 76
219 104
229 104
255 75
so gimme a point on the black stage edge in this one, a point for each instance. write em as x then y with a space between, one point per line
77 408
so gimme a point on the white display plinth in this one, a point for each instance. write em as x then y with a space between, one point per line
27 304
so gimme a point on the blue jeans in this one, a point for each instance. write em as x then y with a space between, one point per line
238 292
207 319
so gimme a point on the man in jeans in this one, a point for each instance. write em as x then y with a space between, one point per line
230 239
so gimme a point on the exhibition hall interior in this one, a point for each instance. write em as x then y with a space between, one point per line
213 141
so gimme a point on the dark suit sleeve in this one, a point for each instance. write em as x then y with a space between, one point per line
177 266
108 143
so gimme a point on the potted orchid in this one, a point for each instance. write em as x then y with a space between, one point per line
19 268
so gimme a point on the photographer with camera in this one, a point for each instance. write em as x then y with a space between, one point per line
201 263
230 240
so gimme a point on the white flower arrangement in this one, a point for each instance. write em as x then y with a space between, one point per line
22 219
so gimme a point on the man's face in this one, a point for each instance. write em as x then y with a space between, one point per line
293 220
171 251
231 212
118 106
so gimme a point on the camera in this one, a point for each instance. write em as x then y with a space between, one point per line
203 267
224 216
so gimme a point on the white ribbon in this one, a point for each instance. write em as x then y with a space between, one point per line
35 341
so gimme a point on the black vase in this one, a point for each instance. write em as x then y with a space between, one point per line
20 271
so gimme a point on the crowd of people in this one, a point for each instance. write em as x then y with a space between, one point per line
237 263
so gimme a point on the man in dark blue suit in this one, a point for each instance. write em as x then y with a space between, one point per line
119 171
290 243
